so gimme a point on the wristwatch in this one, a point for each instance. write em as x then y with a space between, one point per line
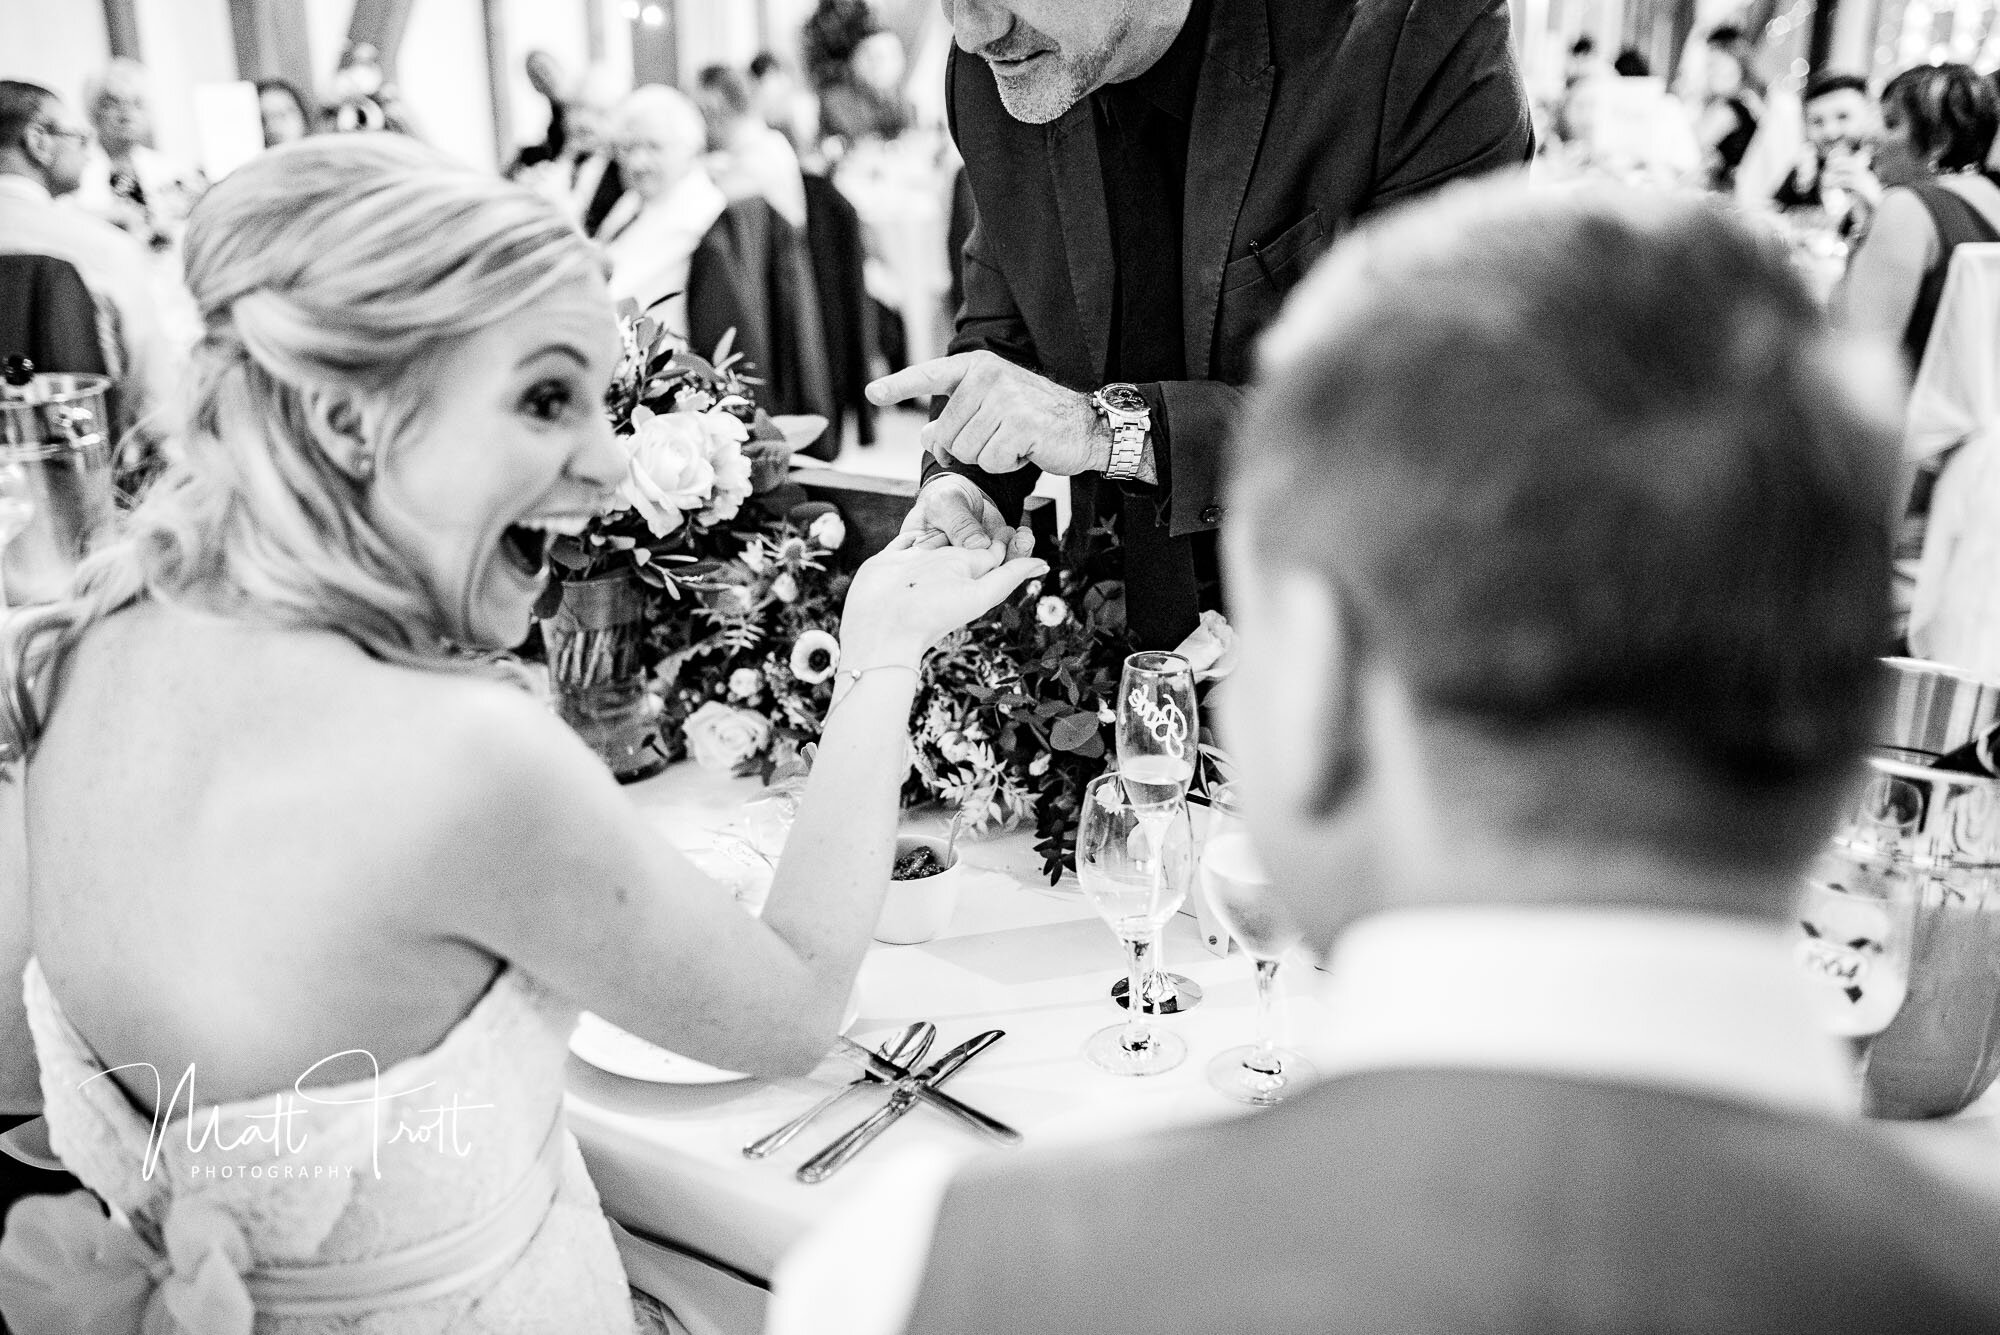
1124 410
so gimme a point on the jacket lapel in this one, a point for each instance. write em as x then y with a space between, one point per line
1086 224
1232 102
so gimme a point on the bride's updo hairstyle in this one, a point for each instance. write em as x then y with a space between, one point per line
331 275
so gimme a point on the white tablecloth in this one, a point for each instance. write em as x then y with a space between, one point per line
1018 956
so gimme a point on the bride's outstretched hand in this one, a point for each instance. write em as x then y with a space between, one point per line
906 598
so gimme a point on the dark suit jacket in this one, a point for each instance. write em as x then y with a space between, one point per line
751 273
1444 1202
1308 115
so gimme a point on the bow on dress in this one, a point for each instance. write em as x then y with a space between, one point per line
67 1268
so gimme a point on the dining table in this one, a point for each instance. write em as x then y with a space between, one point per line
1018 954
705 1226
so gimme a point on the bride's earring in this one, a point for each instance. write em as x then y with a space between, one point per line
363 466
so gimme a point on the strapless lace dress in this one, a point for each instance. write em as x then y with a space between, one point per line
444 1194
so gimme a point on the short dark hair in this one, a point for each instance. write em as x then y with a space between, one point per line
1631 65
1952 111
21 105
1727 35
764 63
1594 478
730 91
1825 85
1583 45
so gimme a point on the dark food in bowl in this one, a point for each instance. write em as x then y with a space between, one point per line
917 863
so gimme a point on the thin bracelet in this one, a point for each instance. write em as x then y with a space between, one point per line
854 676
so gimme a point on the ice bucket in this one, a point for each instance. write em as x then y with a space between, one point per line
55 453
1936 833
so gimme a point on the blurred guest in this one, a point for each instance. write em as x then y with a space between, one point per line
868 102
43 153
856 68
584 177
283 110
1631 65
1733 106
747 157
128 182
1540 785
1841 126
545 76
1938 124
669 204
781 103
1582 62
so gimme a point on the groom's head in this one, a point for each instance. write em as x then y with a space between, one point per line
1559 530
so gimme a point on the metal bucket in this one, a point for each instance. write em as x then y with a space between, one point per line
55 453
1935 709
1935 836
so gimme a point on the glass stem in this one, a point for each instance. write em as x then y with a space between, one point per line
1265 1058
1157 989
1138 1035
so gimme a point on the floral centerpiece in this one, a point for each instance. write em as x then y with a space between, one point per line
725 639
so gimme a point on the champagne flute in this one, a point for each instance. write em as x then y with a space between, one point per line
1134 867
1262 1072
1855 924
1158 736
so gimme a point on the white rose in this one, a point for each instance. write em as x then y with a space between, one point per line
668 475
1052 611
721 737
828 531
784 588
745 682
1211 649
725 437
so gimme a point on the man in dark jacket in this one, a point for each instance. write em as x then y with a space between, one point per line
1151 177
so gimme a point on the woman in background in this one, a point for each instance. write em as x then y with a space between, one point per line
1938 124
1733 107
283 111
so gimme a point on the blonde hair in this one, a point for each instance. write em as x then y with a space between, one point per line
330 274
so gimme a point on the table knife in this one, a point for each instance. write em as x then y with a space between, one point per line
937 1098
831 1159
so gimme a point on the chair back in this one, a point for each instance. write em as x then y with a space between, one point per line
751 273
1954 415
48 316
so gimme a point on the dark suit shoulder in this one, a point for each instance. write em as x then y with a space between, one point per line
1442 1201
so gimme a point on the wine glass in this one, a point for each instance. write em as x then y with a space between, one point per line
1855 924
15 512
1262 1072
1134 862
1158 737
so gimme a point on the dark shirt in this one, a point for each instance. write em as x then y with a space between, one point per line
1142 148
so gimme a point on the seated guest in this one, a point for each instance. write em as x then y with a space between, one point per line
583 178
1938 124
1733 107
42 158
781 103
283 110
292 827
1557 550
669 204
1840 124
545 76
127 181
747 157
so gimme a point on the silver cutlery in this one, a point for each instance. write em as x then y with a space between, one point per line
937 1098
907 1048
835 1156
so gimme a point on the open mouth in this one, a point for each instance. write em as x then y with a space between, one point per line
526 548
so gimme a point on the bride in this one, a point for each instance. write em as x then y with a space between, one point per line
315 891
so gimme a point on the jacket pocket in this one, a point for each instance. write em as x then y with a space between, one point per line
1281 260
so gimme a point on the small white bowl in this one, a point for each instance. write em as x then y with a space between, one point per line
916 911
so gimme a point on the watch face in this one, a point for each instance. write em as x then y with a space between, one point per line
1123 399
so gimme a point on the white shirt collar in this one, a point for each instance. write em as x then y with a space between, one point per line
24 187
1706 1005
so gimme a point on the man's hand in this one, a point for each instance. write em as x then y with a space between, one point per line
951 511
1001 417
